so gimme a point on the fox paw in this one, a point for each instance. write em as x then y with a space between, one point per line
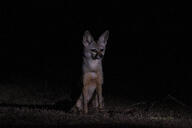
75 110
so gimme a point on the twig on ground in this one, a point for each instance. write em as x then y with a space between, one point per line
177 101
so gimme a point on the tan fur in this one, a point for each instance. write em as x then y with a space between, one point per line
89 79
92 73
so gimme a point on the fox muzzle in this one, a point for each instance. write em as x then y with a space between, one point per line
97 56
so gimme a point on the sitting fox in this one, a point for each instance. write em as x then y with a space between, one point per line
92 77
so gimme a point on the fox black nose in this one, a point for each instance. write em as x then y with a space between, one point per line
98 56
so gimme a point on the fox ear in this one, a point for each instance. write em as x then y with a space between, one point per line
87 38
104 37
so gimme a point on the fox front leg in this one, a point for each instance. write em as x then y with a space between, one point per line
95 102
99 95
85 100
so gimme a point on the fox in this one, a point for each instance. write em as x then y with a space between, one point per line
92 73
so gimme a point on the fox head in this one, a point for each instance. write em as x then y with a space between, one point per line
95 49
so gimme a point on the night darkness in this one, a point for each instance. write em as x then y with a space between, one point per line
147 57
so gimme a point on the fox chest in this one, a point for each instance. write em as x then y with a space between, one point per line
94 64
92 78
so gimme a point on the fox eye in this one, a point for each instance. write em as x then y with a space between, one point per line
93 50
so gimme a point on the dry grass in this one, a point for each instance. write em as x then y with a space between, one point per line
32 107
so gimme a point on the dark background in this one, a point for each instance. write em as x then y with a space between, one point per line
148 54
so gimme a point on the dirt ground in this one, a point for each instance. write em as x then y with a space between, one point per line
33 108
